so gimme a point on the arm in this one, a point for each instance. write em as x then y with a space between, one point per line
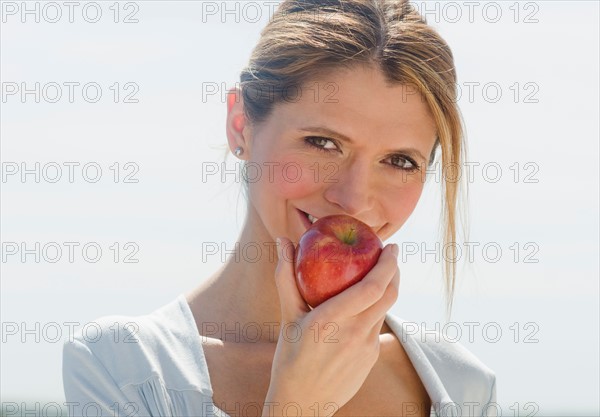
319 376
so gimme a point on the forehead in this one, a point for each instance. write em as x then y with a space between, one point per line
360 103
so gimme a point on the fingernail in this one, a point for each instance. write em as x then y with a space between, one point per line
395 250
278 243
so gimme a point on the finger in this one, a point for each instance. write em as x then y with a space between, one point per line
375 315
366 292
376 330
291 302
378 311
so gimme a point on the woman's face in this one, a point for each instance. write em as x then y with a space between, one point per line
299 161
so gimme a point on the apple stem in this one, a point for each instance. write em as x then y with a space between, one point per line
350 237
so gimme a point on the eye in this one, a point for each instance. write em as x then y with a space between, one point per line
404 163
320 143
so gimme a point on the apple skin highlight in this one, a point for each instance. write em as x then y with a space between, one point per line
335 253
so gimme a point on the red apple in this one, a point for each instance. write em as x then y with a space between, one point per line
335 253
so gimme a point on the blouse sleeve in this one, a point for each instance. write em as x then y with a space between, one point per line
158 369
89 388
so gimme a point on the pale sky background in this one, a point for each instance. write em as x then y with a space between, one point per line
170 212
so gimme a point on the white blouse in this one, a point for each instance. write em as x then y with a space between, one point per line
154 365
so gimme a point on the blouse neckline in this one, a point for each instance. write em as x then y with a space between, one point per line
190 319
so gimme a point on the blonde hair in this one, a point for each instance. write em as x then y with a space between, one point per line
308 38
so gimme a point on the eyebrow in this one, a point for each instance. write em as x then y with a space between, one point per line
326 131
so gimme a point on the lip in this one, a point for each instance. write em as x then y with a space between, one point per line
304 219
308 224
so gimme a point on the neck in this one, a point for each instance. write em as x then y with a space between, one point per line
240 303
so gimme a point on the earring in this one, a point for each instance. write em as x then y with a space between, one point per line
238 151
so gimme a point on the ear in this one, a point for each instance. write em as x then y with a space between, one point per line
237 128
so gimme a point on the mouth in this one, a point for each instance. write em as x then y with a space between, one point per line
306 218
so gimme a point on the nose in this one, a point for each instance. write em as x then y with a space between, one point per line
351 189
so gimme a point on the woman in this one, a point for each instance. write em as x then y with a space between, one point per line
356 96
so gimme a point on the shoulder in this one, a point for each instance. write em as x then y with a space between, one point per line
146 365
132 349
452 375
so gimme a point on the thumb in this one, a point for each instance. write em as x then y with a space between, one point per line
292 304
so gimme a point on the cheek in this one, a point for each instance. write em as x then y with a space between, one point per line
292 178
403 203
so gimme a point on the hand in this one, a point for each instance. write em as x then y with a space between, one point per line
324 355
